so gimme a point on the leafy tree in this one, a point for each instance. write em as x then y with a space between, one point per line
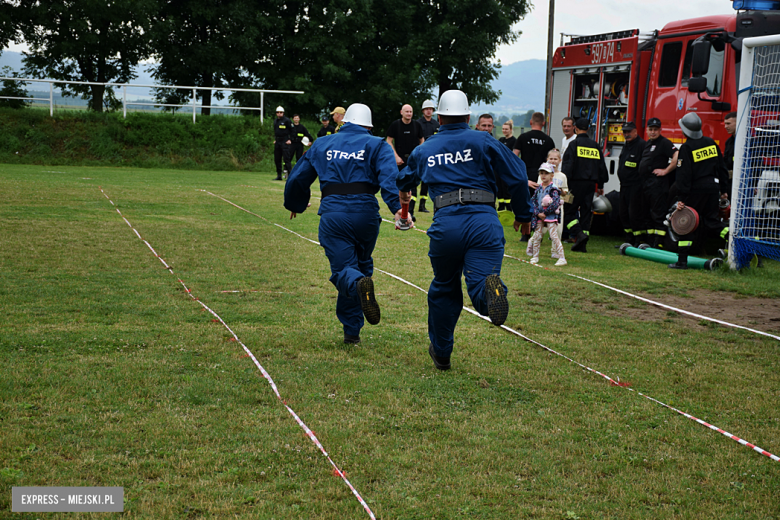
341 52
85 40
208 43
458 38
8 25
13 89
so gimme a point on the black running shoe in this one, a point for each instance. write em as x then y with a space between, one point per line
498 306
441 363
349 338
368 300
678 265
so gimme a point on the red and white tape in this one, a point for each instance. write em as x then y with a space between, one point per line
309 433
526 338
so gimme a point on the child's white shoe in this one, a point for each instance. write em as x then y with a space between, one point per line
560 262
534 261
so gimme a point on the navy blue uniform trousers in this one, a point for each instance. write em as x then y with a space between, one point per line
469 244
349 240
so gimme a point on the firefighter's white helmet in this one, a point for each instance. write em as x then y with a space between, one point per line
428 104
454 103
305 141
280 109
358 114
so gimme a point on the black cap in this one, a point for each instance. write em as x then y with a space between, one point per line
654 122
629 126
582 123
325 118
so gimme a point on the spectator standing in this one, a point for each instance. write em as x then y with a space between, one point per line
532 147
327 128
485 124
283 134
631 184
730 123
659 160
299 132
352 166
546 204
338 116
567 125
404 135
507 129
466 237
560 180
586 171
430 126
504 200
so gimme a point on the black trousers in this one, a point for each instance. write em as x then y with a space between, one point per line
582 207
630 206
282 151
655 205
298 151
706 205
423 192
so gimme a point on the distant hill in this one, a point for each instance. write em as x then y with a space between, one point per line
521 84
522 88
14 60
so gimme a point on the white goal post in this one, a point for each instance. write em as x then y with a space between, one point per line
754 227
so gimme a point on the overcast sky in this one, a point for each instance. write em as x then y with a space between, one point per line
600 16
591 17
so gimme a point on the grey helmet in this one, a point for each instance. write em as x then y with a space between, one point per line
601 204
690 124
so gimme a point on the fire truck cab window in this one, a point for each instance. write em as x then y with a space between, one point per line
670 64
714 73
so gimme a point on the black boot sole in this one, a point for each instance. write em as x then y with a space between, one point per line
368 300
498 305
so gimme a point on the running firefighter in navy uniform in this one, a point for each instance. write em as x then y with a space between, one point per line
702 180
460 166
352 166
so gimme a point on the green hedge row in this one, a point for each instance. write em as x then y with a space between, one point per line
145 140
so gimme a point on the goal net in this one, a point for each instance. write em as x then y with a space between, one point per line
754 228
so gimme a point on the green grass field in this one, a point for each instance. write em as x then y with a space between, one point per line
113 376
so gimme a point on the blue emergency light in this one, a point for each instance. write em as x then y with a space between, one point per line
756 5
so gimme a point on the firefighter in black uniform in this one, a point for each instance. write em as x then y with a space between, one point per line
659 159
586 171
630 183
730 124
701 177
430 126
327 128
283 134
299 132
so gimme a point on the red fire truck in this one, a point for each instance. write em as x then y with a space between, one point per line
631 76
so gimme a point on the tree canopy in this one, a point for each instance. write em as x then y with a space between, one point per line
88 40
383 54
